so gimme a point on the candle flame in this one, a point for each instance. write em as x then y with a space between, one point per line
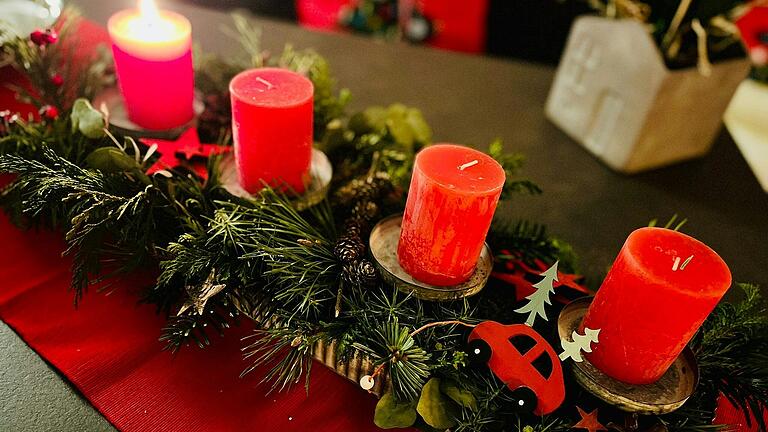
148 11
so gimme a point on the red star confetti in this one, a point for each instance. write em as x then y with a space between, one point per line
589 421
187 146
520 273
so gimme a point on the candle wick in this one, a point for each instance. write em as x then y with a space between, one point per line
469 164
265 82
676 264
685 263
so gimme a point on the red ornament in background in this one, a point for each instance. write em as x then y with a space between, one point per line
321 14
188 146
44 37
589 421
57 80
566 287
752 26
49 112
523 360
459 25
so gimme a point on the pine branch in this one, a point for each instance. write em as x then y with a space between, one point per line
296 249
99 210
391 345
531 242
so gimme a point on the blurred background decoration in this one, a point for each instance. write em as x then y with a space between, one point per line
22 17
688 55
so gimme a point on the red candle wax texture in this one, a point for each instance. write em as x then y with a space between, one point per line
652 302
453 195
153 61
272 128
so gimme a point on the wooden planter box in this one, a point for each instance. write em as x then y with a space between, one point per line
614 95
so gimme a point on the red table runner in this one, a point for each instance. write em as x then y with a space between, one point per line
108 349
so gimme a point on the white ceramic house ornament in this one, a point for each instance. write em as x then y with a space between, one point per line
613 94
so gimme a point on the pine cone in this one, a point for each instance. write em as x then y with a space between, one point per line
360 273
354 227
367 274
365 210
349 248
364 189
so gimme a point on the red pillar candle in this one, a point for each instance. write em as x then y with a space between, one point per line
451 201
657 294
272 128
153 60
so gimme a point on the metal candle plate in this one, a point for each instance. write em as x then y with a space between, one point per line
118 116
320 171
663 396
383 244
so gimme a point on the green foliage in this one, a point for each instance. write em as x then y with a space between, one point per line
391 345
732 351
384 137
391 414
512 163
87 120
436 408
672 223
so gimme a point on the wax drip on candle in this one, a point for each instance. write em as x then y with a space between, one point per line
469 164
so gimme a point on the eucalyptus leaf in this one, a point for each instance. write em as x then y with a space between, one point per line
111 160
376 118
462 397
435 408
89 121
392 414
421 130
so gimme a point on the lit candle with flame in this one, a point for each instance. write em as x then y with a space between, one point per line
153 58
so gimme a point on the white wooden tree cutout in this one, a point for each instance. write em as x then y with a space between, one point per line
537 301
572 349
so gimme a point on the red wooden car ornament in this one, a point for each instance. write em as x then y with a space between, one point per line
523 360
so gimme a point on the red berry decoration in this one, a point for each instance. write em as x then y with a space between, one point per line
37 37
49 112
57 80
43 37
523 360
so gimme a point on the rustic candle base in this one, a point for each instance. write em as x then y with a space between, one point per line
383 244
663 396
320 171
119 121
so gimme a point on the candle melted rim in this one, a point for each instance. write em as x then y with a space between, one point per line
477 154
710 289
293 102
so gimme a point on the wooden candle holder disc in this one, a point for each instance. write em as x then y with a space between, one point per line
320 171
383 245
663 396
118 116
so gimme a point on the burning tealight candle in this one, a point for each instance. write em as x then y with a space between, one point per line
452 198
272 128
657 294
153 59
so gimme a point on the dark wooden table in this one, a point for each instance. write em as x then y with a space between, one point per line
471 100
